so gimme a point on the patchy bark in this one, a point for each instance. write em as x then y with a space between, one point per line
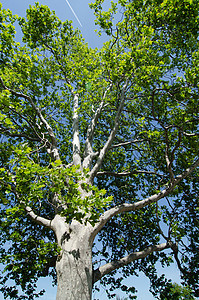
74 264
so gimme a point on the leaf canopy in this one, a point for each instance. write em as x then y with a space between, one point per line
137 127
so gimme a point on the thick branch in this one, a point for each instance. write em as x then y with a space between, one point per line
126 207
108 268
88 153
76 141
30 213
37 219
111 136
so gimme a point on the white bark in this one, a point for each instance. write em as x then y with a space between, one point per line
126 173
107 268
74 265
76 141
37 219
53 150
126 207
111 136
88 152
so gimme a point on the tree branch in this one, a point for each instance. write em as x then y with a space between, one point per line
108 268
53 151
168 161
63 68
126 207
37 219
76 141
126 173
190 134
30 213
184 271
88 152
123 144
111 136
7 131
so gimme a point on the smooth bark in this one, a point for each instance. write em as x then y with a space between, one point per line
74 264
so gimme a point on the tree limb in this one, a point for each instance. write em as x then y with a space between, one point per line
109 142
37 219
88 152
30 213
63 68
127 207
76 141
126 173
168 161
7 131
54 150
190 134
123 144
109 267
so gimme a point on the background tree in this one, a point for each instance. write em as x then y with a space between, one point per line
175 291
99 143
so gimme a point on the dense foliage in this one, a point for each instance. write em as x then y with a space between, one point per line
133 133
175 291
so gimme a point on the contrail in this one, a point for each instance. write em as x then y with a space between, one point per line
74 13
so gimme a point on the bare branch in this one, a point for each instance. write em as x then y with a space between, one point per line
108 268
39 220
111 136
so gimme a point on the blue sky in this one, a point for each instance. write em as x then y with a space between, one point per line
86 18
63 11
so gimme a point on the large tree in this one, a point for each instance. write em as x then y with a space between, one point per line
99 144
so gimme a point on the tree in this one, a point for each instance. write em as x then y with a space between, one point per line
99 144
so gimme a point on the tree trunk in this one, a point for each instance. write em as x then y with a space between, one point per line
74 265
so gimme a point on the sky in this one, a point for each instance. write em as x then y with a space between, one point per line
79 12
80 8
